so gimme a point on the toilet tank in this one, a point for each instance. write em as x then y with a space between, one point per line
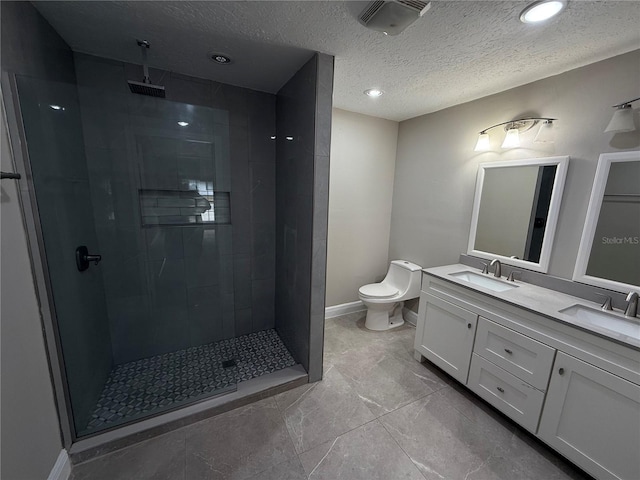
405 277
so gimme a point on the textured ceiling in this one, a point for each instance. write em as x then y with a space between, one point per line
459 51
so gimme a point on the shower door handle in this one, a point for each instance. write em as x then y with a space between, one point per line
10 176
84 258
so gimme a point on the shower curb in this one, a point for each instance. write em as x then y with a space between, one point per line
248 392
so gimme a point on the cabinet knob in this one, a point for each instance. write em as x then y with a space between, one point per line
508 351
468 325
500 389
561 371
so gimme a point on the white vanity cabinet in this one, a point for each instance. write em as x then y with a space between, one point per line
445 334
593 418
577 391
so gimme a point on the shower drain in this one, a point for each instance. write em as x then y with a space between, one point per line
229 363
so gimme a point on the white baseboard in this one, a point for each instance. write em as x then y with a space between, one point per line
343 309
410 316
336 310
62 468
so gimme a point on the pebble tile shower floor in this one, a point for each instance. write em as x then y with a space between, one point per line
159 383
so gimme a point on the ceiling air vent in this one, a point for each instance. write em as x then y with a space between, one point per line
370 11
417 5
392 17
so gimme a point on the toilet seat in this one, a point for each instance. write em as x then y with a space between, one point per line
378 290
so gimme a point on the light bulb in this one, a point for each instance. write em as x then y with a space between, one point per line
622 120
373 92
512 139
483 143
540 11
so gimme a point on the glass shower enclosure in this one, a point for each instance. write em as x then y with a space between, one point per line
178 243
134 197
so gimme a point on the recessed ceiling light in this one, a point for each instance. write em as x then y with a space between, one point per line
373 92
542 10
220 58
273 137
183 124
289 138
56 107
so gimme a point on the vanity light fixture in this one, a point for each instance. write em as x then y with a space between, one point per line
514 128
373 92
542 10
622 120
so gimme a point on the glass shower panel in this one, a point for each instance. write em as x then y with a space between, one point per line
145 183
51 119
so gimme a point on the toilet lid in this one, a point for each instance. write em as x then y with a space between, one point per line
378 290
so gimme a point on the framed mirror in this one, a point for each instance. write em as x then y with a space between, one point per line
609 253
515 211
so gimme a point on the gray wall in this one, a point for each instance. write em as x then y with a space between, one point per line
30 439
182 286
363 159
302 175
436 165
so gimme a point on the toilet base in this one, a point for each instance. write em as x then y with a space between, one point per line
380 320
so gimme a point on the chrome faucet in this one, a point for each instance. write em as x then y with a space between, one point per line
606 305
511 277
498 272
632 305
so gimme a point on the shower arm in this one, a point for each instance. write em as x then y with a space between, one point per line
144 46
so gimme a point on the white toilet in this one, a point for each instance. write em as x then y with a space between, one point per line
384 301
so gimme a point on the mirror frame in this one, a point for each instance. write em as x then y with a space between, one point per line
591 222
562 164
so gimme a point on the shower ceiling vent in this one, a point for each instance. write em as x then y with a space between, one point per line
392 17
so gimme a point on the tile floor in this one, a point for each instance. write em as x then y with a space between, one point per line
377 414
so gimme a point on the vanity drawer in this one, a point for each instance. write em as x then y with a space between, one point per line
515 398
522 356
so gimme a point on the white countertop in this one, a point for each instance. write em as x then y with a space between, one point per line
539 300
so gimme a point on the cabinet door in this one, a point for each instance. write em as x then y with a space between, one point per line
593 418
446 335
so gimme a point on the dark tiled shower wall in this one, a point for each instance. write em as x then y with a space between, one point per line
169 288
304 116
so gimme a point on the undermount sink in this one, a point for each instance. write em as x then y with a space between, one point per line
609 321
483 280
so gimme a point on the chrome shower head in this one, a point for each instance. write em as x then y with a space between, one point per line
145 87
